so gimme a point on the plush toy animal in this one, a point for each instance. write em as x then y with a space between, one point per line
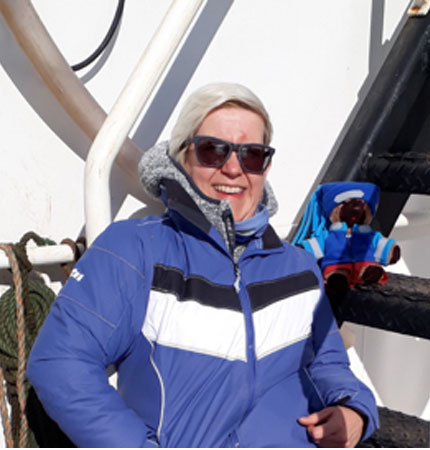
336 230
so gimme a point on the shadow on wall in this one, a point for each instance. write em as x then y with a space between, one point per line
181 72
29 84
27 81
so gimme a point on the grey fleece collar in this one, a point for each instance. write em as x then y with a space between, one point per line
157 164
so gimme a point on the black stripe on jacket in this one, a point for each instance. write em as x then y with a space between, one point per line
194 288
265 293
199 289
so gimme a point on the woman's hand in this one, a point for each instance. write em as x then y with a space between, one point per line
335 426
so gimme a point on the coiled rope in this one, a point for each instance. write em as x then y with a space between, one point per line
22 312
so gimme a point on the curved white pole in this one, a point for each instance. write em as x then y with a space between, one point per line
126 110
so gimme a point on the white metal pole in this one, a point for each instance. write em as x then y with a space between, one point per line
47 254
126 110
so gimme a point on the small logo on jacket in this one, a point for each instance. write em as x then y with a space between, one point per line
77 275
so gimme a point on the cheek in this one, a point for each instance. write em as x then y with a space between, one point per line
201 177
257 186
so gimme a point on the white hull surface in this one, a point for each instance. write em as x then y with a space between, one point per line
311 63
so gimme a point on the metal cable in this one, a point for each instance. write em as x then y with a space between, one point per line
111 32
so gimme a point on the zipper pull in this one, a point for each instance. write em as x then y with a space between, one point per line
237 281
229 228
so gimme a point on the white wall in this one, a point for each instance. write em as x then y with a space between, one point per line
311 63
308 64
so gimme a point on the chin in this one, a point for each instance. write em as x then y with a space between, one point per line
241 212
240 216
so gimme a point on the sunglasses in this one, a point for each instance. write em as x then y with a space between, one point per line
214 152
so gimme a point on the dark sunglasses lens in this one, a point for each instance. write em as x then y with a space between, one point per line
255 158
211 153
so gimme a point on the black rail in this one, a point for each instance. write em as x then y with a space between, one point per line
399 430
401 305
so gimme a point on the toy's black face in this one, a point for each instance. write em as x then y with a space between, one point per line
353 211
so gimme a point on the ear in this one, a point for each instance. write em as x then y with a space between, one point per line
185 158
335 213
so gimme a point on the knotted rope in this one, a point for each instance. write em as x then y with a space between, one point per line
22 312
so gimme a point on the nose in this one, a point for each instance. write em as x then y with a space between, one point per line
232 167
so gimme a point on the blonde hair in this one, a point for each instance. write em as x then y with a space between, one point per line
205 100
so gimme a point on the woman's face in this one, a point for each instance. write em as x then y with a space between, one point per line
242 189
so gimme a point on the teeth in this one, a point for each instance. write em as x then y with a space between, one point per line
229 189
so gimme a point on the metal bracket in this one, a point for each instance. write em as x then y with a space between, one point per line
419 8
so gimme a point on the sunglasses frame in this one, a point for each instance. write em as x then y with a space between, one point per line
231 148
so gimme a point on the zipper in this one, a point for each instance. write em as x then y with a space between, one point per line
249 333
245 303
237 281
229 228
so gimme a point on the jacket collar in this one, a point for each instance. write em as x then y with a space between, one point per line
178 200
164 178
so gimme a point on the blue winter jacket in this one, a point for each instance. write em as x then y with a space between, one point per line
209 352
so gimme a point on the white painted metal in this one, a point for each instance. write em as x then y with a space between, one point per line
312 71
62 82
51 254
126 110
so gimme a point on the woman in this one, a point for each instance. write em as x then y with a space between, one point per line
220 333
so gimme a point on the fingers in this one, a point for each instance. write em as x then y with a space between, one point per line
334 427
316 418
320 426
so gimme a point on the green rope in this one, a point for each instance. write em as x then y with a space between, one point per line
37 300
36 307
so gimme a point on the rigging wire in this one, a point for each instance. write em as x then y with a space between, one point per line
111 32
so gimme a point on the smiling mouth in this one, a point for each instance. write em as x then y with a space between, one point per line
228 189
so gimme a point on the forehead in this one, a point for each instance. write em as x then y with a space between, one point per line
233 123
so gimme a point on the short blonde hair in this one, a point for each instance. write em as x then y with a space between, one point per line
205 100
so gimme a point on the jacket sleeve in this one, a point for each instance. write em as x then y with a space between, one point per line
90 326
330 371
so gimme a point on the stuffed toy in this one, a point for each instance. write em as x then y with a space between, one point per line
336 230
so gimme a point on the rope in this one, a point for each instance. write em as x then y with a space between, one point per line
7 427
76 252
21 356
23 310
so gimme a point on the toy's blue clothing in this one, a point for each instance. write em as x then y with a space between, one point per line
316 219
211 350
333 194
336 247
